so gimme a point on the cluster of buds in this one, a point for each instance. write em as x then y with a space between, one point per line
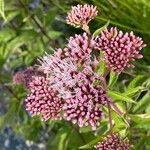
119 49
81 15
114 142
25 77
43 100
67 85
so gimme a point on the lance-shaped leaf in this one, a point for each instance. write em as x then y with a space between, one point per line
102 66
112 79
118 96
98 31
92 143
2 9
142 104
132 91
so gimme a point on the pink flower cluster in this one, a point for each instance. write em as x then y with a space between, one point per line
79 49
25 77
85 107
43 100
119 48
81 15
114 142
67 85
83 100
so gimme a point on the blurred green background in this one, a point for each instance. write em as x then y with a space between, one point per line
28 28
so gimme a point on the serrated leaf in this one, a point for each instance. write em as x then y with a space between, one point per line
118 96
140 117
85 129
62 141
18 41
98 31
120 122
11 15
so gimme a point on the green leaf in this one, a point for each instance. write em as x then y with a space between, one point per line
2 9
6 34
62 141
135 81
54 34
19 41
120 123
142 104
85 129
92 143
98 31
112 79
131 92
119 96
102 66
141 121
11 15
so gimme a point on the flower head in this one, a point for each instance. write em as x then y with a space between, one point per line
80 48
85 105
119 49
59 72
81 15
114 142
79 87
43 100
25 77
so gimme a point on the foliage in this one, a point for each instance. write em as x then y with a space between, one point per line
28 28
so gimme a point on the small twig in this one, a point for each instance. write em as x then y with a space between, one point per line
132 75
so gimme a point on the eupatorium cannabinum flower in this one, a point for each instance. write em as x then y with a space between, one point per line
119 48
81 15
114 142
43 100
80 47
85 105
59 72
79 87
25 77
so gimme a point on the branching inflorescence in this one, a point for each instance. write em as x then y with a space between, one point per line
66 84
